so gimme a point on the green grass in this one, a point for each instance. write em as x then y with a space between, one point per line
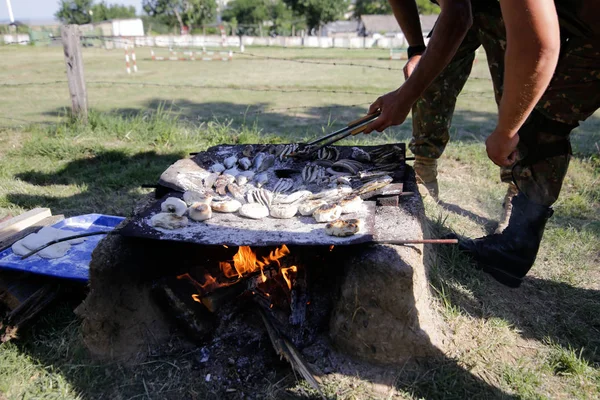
540 341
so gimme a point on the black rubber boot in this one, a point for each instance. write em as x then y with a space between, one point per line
509 256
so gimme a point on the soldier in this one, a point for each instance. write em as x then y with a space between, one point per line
541 100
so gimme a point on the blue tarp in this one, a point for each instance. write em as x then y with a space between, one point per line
75 264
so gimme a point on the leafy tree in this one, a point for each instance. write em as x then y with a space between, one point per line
183 12
247 15
426 7
74 11
282 17
318 12
103 11
368 7
247 12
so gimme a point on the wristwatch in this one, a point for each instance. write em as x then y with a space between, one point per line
414 50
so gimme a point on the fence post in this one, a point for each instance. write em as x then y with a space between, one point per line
74 63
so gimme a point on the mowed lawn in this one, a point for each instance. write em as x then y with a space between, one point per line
540 341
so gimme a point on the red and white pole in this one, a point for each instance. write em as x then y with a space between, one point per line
127 60
133 58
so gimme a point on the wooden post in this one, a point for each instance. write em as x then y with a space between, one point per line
74 62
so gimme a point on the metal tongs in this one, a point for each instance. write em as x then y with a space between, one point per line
353 128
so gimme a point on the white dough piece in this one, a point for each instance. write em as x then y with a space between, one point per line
55 251
295 197
63 234
341 228
190 197
200 212
168 221
308 207
254 211
327 213
44 236
284 211
227 206
351 204
174 205
19 249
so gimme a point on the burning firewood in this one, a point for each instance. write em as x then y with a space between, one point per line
189 315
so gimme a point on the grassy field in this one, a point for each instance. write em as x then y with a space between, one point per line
540 341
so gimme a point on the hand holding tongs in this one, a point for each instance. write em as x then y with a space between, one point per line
353 128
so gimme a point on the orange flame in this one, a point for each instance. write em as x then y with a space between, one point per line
285 274
210 283
245 262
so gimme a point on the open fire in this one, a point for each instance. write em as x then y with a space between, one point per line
263 275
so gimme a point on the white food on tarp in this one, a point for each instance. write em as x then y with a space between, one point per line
19 249
174 205
55 251
168 221
44 236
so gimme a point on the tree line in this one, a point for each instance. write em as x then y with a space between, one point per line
244 17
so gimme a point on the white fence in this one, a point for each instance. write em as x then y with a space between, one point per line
280 41
234 41
15 39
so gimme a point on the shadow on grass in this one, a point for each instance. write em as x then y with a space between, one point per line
298 122
543 310
490 225
111 178
311 121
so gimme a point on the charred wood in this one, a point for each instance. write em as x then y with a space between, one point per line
27 311
224 295
299 299
175 296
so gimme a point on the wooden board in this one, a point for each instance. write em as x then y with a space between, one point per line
8 241
17 224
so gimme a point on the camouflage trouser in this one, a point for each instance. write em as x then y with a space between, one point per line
572 96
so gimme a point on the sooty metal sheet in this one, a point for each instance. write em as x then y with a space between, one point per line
233 230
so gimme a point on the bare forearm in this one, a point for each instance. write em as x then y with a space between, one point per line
407 15
533 45
452 26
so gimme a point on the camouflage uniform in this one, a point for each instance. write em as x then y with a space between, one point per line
572 96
